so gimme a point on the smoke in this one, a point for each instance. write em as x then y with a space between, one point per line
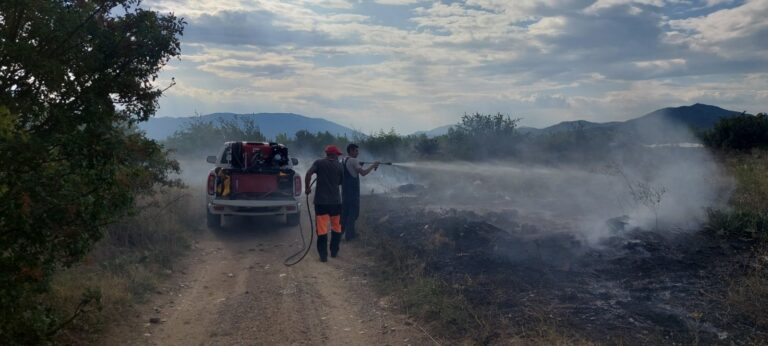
664 188
648 184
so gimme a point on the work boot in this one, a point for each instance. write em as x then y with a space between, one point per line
335 240
322 247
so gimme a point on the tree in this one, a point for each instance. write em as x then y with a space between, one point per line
480 135
203 136
425 146
75 78
742 132
305 141
385 145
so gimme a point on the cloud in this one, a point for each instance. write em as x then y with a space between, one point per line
257 28
729 32
338 4
398 2
416 64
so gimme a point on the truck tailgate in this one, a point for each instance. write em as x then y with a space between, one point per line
253 202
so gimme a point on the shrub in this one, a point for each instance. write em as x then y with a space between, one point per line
479 136
743 132
76 78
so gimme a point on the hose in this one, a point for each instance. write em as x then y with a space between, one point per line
305 247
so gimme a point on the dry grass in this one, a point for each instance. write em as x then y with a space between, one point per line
751 173
748 295
126 265
748 212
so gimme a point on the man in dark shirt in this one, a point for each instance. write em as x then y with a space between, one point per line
327 200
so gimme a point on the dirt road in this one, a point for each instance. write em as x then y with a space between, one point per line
234 290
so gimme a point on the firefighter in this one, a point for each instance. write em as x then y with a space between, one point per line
327 200
350 208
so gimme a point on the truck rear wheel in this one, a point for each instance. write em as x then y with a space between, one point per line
214 220
293 219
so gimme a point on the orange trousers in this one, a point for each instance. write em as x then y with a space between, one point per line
322 222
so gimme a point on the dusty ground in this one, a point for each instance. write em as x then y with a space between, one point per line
234 290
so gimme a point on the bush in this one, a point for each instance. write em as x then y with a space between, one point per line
480 136
743 132
76 78
748 213
200 136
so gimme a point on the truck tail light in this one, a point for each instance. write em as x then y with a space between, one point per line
211 184
296 185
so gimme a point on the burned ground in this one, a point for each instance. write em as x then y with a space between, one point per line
632 287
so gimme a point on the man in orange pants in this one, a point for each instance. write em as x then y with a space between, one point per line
327 200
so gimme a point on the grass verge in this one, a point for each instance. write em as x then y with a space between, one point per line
747 215
125 266
747 219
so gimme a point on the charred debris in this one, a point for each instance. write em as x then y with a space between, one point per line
633 286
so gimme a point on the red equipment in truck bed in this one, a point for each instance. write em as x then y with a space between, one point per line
253 183
255 152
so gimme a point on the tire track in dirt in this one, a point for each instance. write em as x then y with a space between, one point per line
235 290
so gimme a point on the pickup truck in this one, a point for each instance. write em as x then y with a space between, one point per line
252 178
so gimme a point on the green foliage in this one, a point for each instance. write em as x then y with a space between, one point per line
201 136
743 132
574 145
484 125
426 147
306 141
479 136
386 145
76 78
748 213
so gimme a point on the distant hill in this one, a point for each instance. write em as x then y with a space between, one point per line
438 131
672 124
698 116
270 124
575 125
660 126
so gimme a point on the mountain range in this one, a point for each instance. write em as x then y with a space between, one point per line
663 125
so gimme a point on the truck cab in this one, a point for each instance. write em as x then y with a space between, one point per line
252 178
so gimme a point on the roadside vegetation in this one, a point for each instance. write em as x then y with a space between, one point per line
73 164
740 143
125 267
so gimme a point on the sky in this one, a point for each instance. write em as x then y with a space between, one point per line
414 65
